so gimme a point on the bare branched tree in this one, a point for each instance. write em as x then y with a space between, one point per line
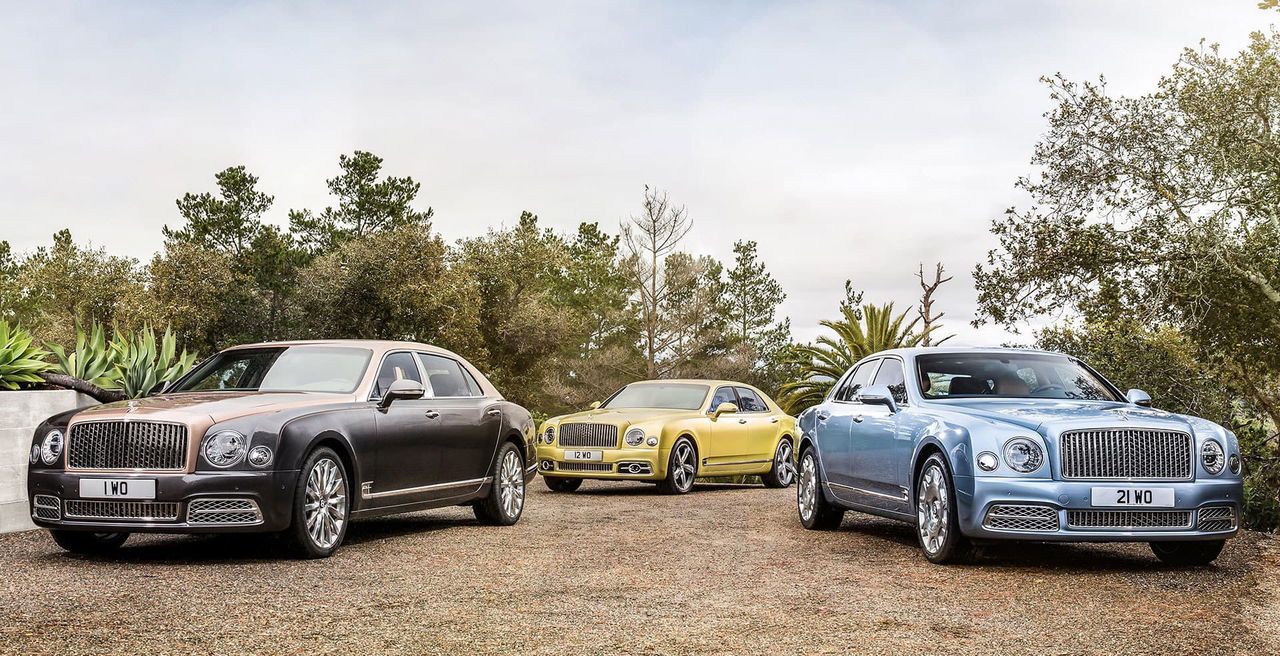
928 319
649 238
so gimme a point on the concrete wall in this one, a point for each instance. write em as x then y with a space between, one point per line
20 413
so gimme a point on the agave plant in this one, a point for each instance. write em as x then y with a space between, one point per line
21 363
91 360
821 364
139 363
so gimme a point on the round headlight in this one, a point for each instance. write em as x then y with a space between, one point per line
260 456
653 441
634 437
1211 457
224 448
549 435
987 461
51 447
35 453
1234 463
1023 455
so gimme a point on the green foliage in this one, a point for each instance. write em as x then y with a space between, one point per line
230 221
90 361
140 362
21 361
751 298
1261 476
366 205
821 364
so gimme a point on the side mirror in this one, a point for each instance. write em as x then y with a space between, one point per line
594 405
723 409
402 389
877 395
1138 397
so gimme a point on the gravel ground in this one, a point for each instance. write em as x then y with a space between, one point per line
616 568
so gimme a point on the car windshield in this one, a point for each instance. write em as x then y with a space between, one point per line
1009 375
676 396
280 369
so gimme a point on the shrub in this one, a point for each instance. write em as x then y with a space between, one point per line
21 363
91 360
1261 477
139 364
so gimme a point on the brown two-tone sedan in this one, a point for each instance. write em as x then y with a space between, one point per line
297 438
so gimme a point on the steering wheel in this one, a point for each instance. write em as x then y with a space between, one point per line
1048 388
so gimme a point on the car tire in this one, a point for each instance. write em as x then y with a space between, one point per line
88 543
562 483
783 472
937 523
682 468
321 506
1188 552
816 513
504 503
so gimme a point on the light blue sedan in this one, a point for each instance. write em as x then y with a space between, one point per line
975 445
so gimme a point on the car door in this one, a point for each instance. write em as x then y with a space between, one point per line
762 425
730 432
407 438
468 423
875 444
834 424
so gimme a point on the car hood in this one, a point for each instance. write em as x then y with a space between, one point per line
1056 415
185 407
626 416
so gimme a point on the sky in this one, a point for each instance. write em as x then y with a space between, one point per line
852 140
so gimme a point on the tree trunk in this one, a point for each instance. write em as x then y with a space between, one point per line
84 387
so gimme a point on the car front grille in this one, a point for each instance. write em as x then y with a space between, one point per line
1217 518
223 511
121 510
1021 518
1129 519
584 466
136 445
1126 453
597 435
47 507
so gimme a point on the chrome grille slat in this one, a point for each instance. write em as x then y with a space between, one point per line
584 466
47 507
223 511
1021 518
583 434
136 510
133 445
1217 518
1129 519
1126 454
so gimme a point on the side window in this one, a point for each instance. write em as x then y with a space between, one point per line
447 377
394 367
890 375
861 376
723 395
749 401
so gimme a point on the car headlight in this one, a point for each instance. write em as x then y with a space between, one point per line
1211 457
1023 455
225 448
634 437
260 456
987 461
51 447
1234 463
35 453
549 435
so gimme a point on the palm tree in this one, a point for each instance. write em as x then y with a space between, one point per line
824 362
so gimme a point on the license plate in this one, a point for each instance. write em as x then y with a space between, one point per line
584 455
1155 497
117 488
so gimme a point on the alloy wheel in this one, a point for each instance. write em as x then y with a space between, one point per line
783 465
511 485
685 467
933 509
326 505
807 489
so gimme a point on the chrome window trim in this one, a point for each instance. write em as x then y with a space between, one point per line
875 361
882 495
427 488
426 384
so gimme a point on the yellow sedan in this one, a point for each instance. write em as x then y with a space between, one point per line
670 432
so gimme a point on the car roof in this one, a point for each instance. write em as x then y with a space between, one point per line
699 381
375 344
924 350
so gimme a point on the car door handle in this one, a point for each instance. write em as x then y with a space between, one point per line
493 412
857 419
774 420
824 415
742 421
432 414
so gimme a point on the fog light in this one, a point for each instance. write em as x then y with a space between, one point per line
987 461
547 465
653 441
35 453
259 456
1234 464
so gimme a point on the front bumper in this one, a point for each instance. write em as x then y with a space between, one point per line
1195 502
267 496
641 463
